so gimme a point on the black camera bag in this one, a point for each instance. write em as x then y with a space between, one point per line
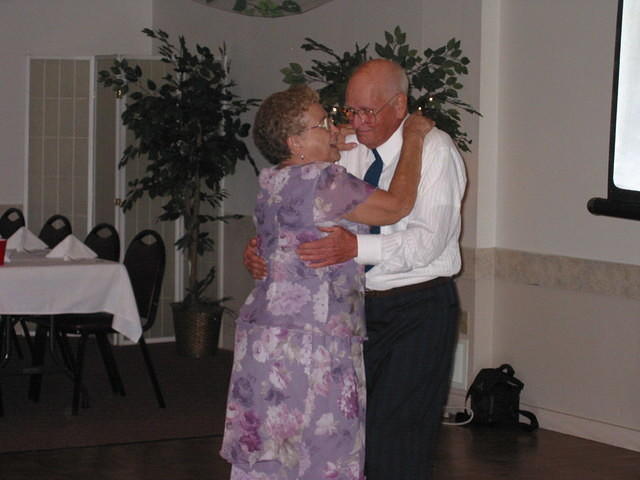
495 399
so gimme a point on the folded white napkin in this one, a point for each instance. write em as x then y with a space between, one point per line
71 248
24 239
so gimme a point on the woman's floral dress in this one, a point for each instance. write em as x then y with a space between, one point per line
296 405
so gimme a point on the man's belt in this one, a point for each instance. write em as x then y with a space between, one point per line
407 288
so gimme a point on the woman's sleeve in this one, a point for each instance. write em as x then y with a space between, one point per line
337 193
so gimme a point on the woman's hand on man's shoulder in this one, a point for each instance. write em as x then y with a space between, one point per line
417 125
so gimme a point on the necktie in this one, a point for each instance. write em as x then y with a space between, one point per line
372 176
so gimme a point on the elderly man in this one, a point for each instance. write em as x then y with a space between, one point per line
411 302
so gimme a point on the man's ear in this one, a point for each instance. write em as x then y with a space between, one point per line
400 105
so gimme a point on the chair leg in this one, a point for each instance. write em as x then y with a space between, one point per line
27 335
5 347
65 351
71 365
5 340
16 343
37 361
152 372
77 376
110 364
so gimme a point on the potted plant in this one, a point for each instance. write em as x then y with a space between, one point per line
189 133
433 78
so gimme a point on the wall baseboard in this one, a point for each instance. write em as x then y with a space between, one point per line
588 428
560 422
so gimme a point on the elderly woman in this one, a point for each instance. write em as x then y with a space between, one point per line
297 393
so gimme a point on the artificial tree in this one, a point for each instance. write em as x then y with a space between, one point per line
433 78
189 132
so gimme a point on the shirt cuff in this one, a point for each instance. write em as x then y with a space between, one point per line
369 249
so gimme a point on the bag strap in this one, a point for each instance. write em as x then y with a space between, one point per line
528 427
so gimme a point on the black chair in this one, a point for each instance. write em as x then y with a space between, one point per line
54 230
12 219
145 262
105 241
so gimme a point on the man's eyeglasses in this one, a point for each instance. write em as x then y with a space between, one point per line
365 114
325 123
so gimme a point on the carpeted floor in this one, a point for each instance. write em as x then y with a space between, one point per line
189 385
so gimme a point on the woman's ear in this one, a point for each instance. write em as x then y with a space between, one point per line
293 142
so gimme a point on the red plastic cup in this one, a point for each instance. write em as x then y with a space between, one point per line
3 247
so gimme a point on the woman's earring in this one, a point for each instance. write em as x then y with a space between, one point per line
301 156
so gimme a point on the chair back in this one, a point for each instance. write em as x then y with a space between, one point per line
54 230
105 241
145 261
12 219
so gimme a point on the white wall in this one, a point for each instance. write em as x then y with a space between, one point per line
555 115
578 353
461 19
56 28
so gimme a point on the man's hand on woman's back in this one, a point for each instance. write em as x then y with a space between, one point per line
254 264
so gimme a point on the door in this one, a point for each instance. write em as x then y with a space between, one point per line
75 142
60 142
112 185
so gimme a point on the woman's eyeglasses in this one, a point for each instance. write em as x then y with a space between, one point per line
325 123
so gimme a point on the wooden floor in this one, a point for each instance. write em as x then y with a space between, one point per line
193 386
464 453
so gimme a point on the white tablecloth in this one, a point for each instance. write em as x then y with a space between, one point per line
32 284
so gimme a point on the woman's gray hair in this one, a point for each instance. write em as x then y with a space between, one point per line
280 117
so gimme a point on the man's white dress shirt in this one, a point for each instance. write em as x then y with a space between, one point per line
424 244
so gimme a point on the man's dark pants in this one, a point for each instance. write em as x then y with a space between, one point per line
408 361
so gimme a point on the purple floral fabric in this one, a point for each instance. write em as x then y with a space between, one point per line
297 394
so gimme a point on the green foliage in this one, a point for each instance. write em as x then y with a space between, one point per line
333 75
265 8
189 133
434 78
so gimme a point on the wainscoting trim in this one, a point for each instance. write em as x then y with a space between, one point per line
553 271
